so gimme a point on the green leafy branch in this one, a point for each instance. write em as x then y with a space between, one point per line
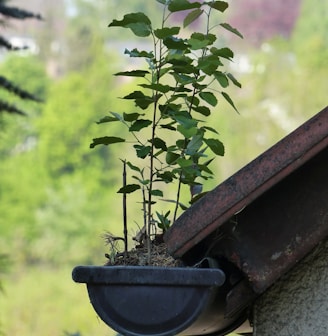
176 95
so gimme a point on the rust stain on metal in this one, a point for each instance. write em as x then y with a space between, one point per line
284 194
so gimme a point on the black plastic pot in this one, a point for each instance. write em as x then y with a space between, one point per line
158 301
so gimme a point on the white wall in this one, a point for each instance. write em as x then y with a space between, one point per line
297 304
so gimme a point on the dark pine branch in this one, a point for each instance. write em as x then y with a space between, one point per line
13 88
18 13
5 107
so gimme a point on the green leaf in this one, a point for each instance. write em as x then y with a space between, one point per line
143 182
209 64
183 79
181 5
211 129
192 16
131 116
166 32
215 145
166 176
169 126
132 167
218 5
200 41
171 157
172 42
234 80
231 29
182 162
140 99
187 132
139 23
135 95
117 116
157 192
142 151
193 100
195 144
136 53
209 97
133 73
223 52
157 87
106 119
184 119
106 140
129 188
159 143
229 100
203 110
221 78
139 124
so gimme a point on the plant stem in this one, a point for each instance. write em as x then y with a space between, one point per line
125 225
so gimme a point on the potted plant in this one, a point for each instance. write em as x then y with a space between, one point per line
184 75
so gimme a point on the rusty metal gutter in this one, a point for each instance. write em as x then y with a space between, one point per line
268 215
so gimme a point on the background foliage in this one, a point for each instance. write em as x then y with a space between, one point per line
57 197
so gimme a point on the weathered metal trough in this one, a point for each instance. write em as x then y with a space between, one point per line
264 218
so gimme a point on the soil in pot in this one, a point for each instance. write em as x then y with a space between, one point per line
138 256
